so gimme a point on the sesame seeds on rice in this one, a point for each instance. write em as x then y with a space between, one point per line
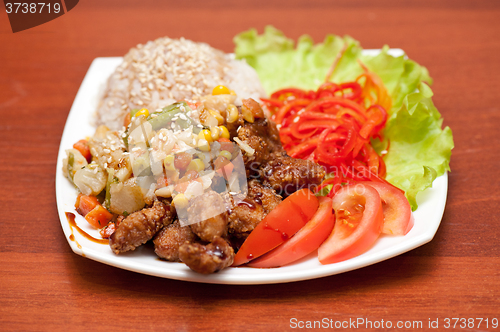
166 70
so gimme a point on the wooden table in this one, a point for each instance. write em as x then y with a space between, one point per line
45 286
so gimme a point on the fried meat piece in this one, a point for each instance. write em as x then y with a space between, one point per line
287 175
170 238
140 227
270 162
207 216
263 137
208 258
246 214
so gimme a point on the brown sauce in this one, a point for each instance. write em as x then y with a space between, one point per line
284 235
258 198
72 225
246 202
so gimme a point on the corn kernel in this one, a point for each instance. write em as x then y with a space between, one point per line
217 116
196 165
215 133
232 113
180 201
232 93
168 162
142 111
204 145
247 114
224 133
206 135
226 154
220 90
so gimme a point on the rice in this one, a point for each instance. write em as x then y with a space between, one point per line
166 70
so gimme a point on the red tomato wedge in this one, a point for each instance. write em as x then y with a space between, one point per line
278 226
358 223
305 241
398 219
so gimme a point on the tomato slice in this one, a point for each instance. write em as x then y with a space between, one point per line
305 241
278 226
358 223
398 219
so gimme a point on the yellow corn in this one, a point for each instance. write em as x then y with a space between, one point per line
215 133
220 90
142 111
180 201
168 162
196 165
226 154
232 93
206 135
224 133
232 113
217 116
203 145
247 114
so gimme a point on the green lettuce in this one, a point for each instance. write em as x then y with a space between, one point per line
420 149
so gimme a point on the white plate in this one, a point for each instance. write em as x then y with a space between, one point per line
143 260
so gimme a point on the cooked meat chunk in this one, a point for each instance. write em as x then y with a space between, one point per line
287 175
246 214
208 258
207 216
270 162
140 227
263 137
170 238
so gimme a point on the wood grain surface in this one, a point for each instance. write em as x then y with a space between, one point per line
45 286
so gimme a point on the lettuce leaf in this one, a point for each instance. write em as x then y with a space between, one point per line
420 149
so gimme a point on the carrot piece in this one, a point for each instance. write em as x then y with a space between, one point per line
83 146
99 216
84 204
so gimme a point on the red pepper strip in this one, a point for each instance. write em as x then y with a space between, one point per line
356 90
317 116
311 124
297 93
360 118
377 117
382 171
283 112
312 143
373 82
332 101
322 151
296 130
301 149
328 86
381 119
327 89
372 158
350 141
273 102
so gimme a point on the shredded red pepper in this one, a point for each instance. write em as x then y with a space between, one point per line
334 125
